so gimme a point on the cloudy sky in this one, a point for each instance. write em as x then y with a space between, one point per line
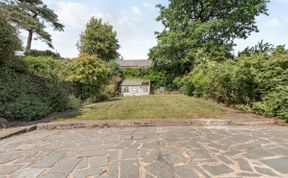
134 21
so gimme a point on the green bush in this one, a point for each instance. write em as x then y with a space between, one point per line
56 94
46 53
110 91
24 96
257 81
47 66
116 77
26 108
73 102
91 75
9 41
275 103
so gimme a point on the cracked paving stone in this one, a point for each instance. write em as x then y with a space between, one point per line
218 147
232 152
83 163
7 157
197 168
131 168
279 164
64 166
125 137
91 152
98 161
256 154
280 151
124 144
225 159
128 154
138 137
9 169
50 176
185 172
113 169
48 161
165 152
265 171
113 155
173 159
199 154
160 169
27 173
151 157
218 170
87 173
244 165
246 174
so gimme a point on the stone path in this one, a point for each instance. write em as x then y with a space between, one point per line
163 152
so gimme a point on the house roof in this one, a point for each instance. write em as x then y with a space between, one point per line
134 63
134 82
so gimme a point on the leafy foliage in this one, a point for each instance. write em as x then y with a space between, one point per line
192 28
99 39
31 15
24 96
90 73
26 108
37 53
257 81
47 67
9 41
116 77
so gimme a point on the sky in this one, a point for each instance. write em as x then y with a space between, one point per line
135 24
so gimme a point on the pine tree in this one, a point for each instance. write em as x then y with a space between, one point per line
33 16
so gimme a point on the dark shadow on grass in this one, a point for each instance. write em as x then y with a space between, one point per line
50 118
65 115
110 100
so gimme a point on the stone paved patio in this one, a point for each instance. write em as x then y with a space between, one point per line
164 152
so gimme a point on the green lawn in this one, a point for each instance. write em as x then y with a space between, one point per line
149 107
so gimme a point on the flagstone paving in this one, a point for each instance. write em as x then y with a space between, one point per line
163 152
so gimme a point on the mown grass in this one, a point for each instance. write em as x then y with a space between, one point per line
149 107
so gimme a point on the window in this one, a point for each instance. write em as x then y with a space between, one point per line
144 89
125 89
134 89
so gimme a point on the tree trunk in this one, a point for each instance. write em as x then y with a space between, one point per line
29 40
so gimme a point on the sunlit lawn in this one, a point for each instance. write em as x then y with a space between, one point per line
149 107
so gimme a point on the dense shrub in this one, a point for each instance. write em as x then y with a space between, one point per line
9 41
47 67
257 81
90 74
27 108
274 103
25 96
116 77
46 53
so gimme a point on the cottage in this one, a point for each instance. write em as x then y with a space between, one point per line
135 87
140 63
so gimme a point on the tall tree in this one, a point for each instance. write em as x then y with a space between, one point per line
99 39
201 26
9 41
33 16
